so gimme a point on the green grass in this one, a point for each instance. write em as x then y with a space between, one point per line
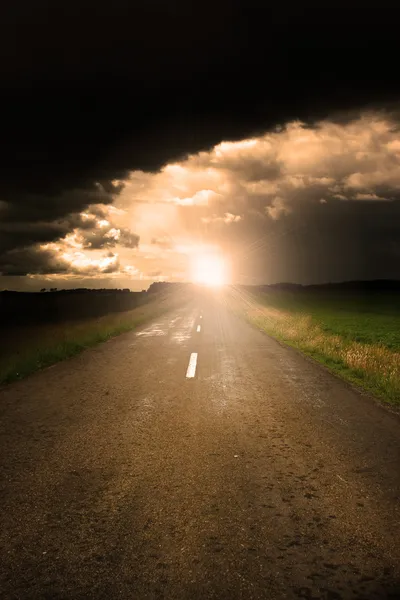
369 320
35 348
355 336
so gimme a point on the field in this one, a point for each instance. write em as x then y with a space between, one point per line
355 335
29 347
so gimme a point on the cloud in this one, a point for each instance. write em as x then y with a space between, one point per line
164 242
368 196
58 247
47 221
297 163
81 263
200 198
32 259
226 218
154 274
277 208
332 179
138 90
50 259
131 271
106 236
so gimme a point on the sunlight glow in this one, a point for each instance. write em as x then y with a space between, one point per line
210 270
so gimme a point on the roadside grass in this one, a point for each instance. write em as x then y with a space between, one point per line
45 345
356 337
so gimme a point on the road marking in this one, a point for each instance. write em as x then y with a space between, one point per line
201 316
191 370
198 328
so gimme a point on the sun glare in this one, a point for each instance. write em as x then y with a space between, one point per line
209 269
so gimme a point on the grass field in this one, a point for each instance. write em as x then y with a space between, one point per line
356 336
28 349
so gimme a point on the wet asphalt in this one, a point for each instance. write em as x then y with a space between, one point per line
262 476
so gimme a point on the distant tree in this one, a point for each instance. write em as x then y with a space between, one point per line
43 290
53 289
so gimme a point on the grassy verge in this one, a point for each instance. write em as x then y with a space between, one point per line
357 338
35 348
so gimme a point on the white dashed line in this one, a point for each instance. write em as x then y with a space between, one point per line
201 316
198 328
191 370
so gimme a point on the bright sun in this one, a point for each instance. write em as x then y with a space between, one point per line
209 269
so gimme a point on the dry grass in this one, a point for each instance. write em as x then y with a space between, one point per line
373 366
32 348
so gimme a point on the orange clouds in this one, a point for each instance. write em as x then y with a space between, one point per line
223 194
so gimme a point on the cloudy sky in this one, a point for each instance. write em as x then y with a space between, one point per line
137 138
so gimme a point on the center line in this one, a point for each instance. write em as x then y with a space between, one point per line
191 370
198 328
201 316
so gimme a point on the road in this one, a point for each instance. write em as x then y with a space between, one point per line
260 476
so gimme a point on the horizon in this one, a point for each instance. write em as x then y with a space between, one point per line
205 286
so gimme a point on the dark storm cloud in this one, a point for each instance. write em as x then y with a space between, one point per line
330 211
23 234
107 237
31 260
50 261
40 207
37 247
92 232
94 90
316 243
30 219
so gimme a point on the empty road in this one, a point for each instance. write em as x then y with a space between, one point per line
196 458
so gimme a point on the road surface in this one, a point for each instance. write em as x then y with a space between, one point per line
252 473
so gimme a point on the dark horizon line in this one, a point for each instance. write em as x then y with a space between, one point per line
365 283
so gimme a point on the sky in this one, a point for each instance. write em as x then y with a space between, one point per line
138 138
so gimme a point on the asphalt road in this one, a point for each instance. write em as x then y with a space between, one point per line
262 476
